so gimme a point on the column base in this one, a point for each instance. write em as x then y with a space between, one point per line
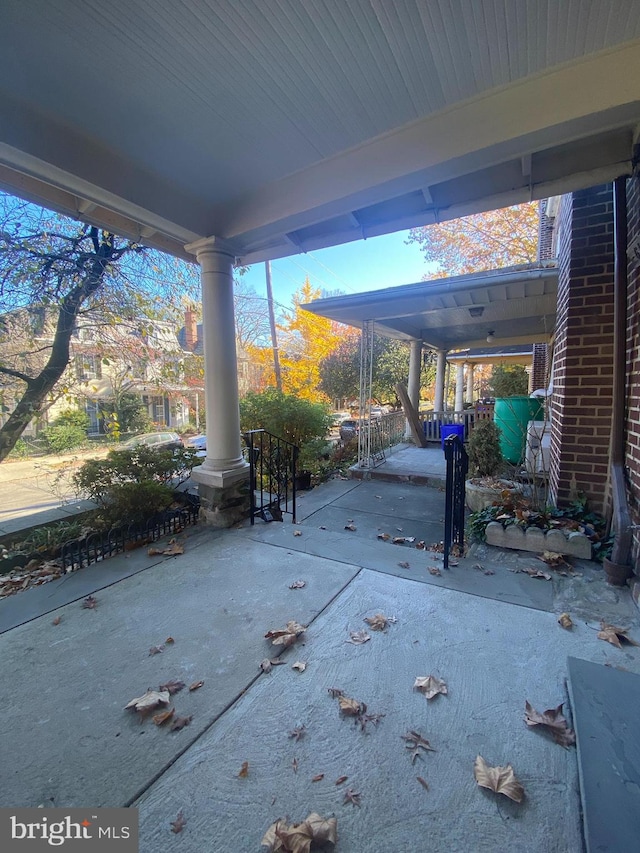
224 495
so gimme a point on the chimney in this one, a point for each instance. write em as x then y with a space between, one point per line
190 330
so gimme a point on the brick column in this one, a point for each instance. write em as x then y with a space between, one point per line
538 378
583 353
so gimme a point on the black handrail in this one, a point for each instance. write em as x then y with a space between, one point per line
457 468
272 475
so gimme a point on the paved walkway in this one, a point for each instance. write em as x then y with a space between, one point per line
494 639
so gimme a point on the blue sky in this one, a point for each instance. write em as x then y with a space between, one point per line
370 264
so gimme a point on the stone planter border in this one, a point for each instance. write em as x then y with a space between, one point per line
533 539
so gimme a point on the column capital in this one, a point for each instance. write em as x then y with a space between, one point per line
215 245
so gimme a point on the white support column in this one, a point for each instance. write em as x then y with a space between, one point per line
470 371
413 384
224 464
459 398
441 366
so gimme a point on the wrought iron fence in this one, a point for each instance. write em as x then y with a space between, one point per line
457 468
100 545
272 475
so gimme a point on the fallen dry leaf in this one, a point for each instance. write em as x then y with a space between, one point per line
195 686
615 636
179 723
156 650
402 540
536 573
434 570
297 532
379 622
318 777
415 742
430 686
358 637
286 636
351 527
172 549
565 620
421 545
298 733
404 565
423 782
162 717
265 665
244 770
169 641
179 823
552 558
341 780
384 536
57 620
172 687
553 720
90 603
297 584
299 665
282 837
334 692
351 707
502 780
351 796
294 764
151 699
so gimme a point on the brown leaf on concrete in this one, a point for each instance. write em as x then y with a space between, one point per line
298 733
172 687
169 641
195 686
358 637
434 570
415 742
351 796
156 650
404 565
423 782
179 823
552 558
57 620
334 692
553 720
180 722
430 686
299 665
379 622
265 665
297 585
351 527
502 780
286 636
403 540
384 536
172 549
90 603
162 717
297 532
244 770
351 707
341 780
365 719
615 636
282 837
565 621
318 777
151 699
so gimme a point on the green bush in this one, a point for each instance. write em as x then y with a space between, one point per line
58 439
97 478
485 456
508 380
133 416
48 538
284 415
135 502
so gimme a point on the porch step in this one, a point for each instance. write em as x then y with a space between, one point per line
605 703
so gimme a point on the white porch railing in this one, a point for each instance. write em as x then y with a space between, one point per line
432 422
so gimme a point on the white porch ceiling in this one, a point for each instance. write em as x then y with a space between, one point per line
287 125
518 306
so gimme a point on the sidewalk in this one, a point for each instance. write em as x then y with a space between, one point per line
72 743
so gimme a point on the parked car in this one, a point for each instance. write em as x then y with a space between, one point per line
349 429
157 440
197 442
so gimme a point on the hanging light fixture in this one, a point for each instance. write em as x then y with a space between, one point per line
491 337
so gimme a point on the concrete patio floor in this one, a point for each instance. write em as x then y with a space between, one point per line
494 638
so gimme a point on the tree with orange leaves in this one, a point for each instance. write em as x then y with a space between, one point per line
484 241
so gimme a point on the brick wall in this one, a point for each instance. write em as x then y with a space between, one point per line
632 450
583 349
545 233
539 377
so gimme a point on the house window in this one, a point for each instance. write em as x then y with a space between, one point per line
88 367
93 413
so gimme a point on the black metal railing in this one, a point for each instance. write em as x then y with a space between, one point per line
99 546
272 475
457 467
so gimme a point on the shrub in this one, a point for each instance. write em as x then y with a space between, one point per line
97 478
49 538
485 456
58 439
135 502
508 380
284 415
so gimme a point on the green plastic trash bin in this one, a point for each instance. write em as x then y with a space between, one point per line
511 415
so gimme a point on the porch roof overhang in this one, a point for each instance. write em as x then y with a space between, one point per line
517 305
285 127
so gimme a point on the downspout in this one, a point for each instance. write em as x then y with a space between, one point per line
618 567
